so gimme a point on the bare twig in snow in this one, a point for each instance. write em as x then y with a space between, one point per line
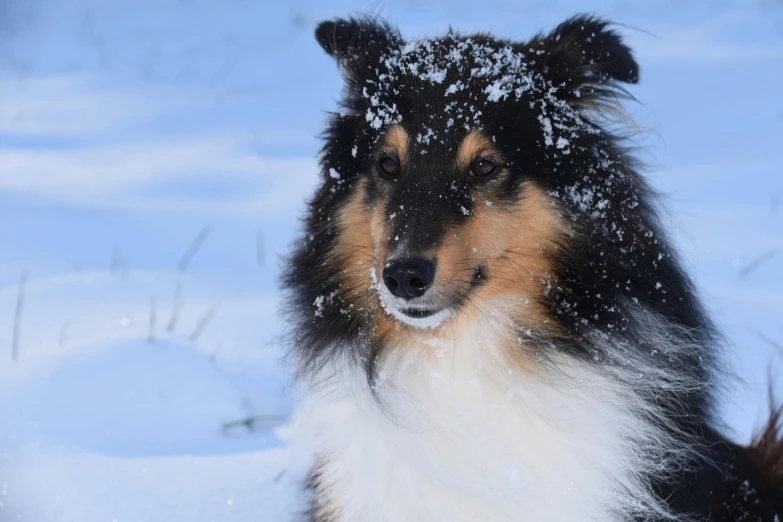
184 261
225 69
119 263
250 422
153 320
192 249
280 475
175 306
778 346
204 322
114 264
18 316
63 337
760 260
213 356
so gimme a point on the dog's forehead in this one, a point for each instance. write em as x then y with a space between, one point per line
442 89
446 83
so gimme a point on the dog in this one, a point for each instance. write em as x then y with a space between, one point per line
487 317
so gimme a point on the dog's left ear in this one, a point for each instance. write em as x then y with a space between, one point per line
582 51
357 43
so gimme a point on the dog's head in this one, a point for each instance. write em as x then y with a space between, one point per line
467 175
447 151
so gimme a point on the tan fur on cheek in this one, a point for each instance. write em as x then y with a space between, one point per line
359 249
359 228
512 245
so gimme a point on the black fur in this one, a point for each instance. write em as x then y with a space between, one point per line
617 268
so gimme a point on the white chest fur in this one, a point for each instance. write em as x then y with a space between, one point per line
455 433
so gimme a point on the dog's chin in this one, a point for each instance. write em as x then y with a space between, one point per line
421 317
415 315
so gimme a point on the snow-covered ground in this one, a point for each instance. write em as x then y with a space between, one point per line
154 157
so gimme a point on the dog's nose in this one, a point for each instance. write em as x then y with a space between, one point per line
408 278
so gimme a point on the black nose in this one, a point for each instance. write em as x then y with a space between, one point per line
408 278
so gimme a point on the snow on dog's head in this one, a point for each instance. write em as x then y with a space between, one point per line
467 177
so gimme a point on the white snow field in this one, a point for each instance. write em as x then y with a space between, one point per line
154 158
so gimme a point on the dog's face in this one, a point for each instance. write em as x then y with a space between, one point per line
448 162
445 226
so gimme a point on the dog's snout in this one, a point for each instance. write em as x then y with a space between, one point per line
408 278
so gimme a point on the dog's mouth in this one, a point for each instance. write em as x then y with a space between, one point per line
419 313
422 317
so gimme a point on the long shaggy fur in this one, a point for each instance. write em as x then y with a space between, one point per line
557 364
766 449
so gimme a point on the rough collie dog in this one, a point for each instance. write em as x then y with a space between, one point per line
489 322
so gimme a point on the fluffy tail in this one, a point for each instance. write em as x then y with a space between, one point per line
766 450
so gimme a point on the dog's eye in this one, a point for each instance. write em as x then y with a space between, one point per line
388 167
482 168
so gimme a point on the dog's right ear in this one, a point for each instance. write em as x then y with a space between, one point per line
584 57
356 43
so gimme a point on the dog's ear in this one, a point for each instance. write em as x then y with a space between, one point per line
583 51
356 44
